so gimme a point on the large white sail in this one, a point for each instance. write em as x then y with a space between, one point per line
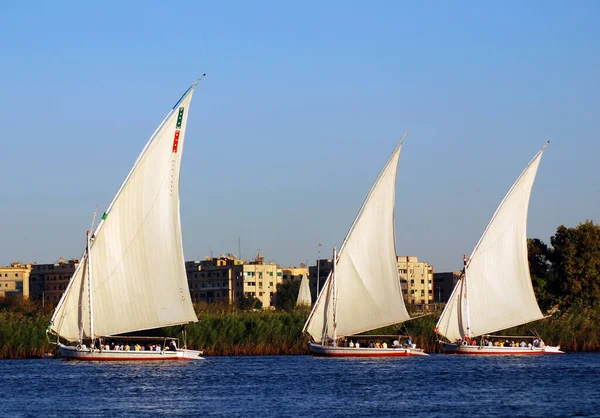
497 285
304 297
369 295
137 264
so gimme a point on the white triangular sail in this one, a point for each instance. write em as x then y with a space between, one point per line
498 284
369 295
304 297
137 265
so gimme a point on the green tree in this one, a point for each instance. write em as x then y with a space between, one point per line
576 262
287 295
540 268
249 302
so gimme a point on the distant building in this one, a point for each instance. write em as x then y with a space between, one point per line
213 279
444 285
226 279
292 274
319 275
416 280
49 281
14 280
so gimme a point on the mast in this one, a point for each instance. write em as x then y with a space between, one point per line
89 242
467 299
334 296
318 266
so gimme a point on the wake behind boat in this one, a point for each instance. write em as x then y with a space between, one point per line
363 290
132 274
495 291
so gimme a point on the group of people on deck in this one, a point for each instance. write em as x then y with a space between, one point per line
503 343
374 344
172 346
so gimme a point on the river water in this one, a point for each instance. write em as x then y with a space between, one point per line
290 386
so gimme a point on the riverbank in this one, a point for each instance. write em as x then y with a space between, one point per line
223 332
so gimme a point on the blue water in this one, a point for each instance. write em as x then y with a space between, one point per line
290 386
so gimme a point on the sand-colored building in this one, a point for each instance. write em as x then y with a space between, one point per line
14 280
226 279
416 280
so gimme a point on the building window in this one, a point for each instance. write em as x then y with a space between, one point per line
422 281
278 274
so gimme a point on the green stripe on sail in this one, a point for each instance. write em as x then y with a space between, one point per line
104 216
179 117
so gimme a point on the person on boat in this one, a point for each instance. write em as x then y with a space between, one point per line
357 345
172 346
489 344
384 345
351 345
377 344
542 344
536 343
409 342
396 344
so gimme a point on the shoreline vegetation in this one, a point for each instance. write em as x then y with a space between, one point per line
227 331
565 277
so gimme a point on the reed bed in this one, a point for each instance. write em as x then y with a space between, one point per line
226 331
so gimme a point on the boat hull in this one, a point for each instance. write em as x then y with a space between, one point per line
493 350
319 350
73 353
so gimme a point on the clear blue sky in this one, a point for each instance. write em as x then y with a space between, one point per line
302 104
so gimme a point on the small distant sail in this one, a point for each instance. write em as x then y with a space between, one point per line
304 297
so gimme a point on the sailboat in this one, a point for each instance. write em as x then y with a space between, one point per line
363 290
304 297
495 291
132 275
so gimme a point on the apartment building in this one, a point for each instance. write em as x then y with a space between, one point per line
318 274
49 281
226 279
416 280
444 285
14 280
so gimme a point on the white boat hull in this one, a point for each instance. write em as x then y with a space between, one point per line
482 350
73 353
319 350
